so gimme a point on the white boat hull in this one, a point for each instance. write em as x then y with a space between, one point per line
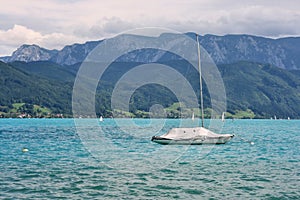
192 136
198 141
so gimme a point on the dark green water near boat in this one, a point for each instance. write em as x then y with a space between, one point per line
58 163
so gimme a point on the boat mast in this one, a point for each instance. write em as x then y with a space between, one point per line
200 77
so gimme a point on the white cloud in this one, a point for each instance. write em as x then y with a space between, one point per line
12 38
19 34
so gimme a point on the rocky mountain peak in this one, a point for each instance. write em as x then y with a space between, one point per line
29 53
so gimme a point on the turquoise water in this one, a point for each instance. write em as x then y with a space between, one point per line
120 161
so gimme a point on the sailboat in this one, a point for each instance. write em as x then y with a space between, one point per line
101 119
223 116
193 116
196 135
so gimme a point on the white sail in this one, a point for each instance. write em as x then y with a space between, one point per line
193 116
101 119
223 116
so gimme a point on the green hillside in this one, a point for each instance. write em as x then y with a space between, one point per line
17 86
264 89
46 69
253 90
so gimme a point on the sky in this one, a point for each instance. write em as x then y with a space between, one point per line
52 24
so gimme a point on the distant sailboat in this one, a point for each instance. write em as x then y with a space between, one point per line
101 119
197 135
193 116
223 116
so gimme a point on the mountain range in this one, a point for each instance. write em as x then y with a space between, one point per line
282 52
261 77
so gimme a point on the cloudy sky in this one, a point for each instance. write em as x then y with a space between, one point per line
55 23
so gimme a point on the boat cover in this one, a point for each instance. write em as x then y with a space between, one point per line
191 133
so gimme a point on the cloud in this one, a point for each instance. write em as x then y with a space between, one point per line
105 27
54 23
19 34
265 21
12 38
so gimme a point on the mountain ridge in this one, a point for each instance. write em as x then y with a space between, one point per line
281 52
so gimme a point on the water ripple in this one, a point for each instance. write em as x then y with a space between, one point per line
57 164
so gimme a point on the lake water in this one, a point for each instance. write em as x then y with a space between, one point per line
88 159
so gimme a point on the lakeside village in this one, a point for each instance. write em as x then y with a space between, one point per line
177 110
23 110
26 115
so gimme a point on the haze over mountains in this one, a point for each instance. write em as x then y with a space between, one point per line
261 77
